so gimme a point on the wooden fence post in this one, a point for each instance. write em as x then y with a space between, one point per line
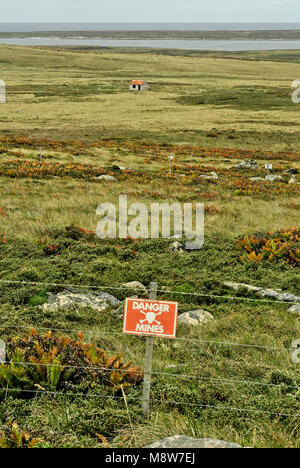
148 361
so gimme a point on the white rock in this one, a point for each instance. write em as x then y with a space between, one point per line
273 177
73 299
295 309
195 317
182 441
291 171
177 247
135 285
265 293
107 177
212 176
293 180
237 286
249 164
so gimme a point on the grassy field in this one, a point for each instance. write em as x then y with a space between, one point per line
211 112
190 100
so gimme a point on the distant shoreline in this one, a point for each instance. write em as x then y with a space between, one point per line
253 35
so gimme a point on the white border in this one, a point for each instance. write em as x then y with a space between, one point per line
163 335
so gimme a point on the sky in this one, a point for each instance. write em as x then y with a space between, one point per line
149 11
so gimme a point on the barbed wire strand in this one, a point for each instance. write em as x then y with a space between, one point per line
164 291
139 371
222 408
95 332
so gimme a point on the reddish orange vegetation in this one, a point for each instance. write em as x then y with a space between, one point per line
135 146
3 212
272 246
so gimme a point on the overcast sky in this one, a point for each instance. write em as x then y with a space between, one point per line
149 11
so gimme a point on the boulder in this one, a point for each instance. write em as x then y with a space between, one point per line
177 247
291 171
293 180
74 299
135 285
295 309
107 178
273 177
195 317
212 176
277 295
248 164
182 441
237 286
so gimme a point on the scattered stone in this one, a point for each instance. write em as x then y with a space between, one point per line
268 178
213 176
135 285
293 180
248 164
72 298
177 247
268 293
295 309
182 441
237 286
107 177
195 317
278 295
273 177
291 171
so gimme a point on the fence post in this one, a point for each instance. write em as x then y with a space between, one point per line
148 361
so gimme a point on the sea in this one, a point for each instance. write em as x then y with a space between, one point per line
80 41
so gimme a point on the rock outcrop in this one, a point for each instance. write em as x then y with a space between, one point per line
135 286
278 295
74 299
108 178
182 441
195 317
248 164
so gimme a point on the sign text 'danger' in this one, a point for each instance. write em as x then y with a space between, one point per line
146 317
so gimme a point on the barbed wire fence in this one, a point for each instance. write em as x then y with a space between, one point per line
163 291
155 373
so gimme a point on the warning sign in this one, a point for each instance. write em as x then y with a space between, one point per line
150 317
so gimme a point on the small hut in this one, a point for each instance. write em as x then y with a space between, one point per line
138 85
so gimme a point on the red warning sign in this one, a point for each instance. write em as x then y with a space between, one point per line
150 317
